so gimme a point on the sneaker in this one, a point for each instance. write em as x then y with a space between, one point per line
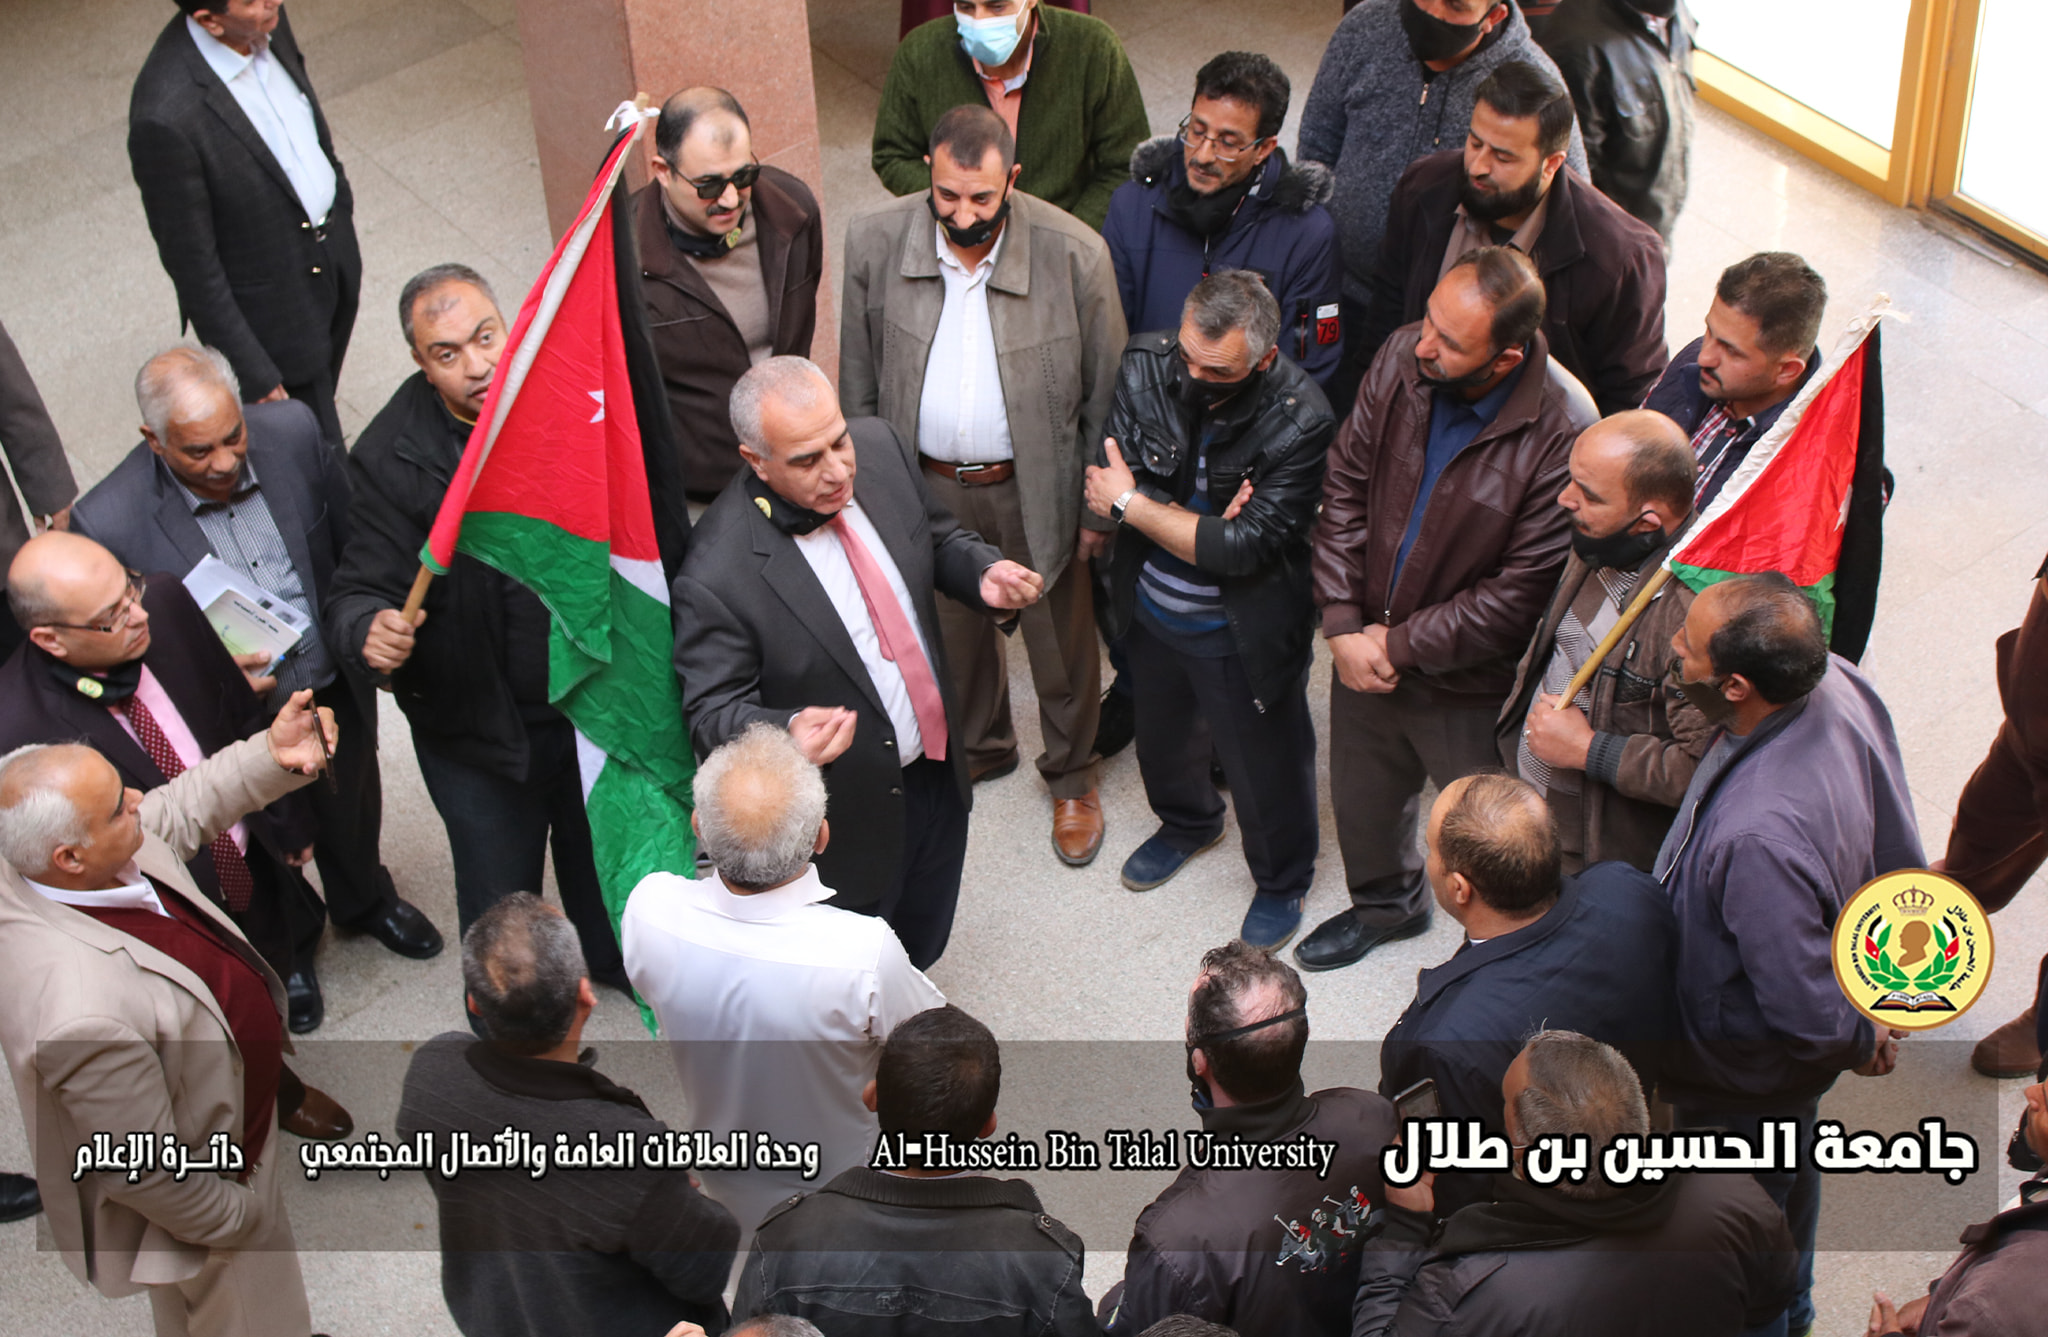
1155 861
1271 921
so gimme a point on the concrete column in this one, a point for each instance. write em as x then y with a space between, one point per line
584 57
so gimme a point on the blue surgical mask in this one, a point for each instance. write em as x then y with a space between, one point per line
991 41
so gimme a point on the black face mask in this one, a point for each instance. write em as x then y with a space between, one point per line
1205 396
1705 697
1656 9
975 234
1207 215
1623 551
2019 1153
1432 38
784 514
104 687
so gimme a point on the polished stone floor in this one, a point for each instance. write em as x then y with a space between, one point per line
427 104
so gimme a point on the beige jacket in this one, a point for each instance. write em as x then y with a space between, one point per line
105 1033
1059 331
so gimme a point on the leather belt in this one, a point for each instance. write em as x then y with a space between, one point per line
972 475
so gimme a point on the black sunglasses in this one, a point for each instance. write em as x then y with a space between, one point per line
711 187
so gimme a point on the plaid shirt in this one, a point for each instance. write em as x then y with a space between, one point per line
1710 442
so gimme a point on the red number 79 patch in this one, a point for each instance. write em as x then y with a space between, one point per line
1326 324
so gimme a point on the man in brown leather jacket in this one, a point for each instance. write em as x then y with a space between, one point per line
1614 764
730 277
1439 540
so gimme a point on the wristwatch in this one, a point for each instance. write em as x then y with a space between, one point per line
1116 508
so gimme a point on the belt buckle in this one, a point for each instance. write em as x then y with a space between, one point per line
962 470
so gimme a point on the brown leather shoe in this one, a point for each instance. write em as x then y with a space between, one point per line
2008 1051
1077 828
319 1118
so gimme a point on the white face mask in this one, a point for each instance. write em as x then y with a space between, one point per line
992 41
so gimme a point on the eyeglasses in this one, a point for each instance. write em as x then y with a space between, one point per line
1226 150
124 611
711 187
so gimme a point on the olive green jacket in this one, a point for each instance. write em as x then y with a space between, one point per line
1081 115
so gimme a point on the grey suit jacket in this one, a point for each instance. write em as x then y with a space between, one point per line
1059 333
34 455
140 514
758 639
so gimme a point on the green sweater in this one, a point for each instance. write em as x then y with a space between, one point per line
1081 117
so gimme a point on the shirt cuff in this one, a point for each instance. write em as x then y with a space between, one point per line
1603 757
1342 619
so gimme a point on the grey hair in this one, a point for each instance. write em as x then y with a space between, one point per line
763 833
1578 1085
796 379
521 965
163 380
426 281
774 1325
39 818
1236 299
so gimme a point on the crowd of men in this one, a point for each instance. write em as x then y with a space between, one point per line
1183 403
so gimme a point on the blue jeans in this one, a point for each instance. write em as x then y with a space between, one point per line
499 831
1796 1193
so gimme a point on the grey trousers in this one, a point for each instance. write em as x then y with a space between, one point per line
1383 747
1059 636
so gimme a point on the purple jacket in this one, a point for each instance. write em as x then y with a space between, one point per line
1763 856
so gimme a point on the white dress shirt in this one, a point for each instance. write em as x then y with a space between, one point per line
776 1008
134 893
961 417
282 115
177 733
822 549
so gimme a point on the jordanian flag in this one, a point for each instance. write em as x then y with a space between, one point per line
553 491
1808 499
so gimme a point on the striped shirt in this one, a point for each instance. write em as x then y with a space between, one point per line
1183 600
1711 441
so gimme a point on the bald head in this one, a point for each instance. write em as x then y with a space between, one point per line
65 817
60 585
760 809
1496 833
711 112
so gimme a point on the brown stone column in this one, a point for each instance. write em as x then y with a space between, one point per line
584 57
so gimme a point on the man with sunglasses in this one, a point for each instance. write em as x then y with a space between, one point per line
1221 194
731 252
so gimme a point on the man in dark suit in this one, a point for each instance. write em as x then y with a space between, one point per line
250 208
259 492
1603 271
129 665
1591 953
807 601
35 456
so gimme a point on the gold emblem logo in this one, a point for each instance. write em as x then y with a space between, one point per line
1912 950
90 687
766 509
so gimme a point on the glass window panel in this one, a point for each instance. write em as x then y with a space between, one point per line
2001 153
1841 60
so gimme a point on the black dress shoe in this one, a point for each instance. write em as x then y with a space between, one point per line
1344 938
1118 724
307 1008
18 1198
405 930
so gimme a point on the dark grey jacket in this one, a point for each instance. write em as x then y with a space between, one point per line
880 1255
757 639
630 1252
1701 1255
34 455
1375 108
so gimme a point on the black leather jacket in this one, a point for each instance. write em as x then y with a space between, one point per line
1277 437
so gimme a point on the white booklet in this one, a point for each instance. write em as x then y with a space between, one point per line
249 619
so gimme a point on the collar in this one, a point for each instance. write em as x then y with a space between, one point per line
1435 979
1268 1119
1528 234
792 519
695 245
108 688
1488 406
221 58
713 894
545 1079
987 267
951 1191
195 503
1525 1215
133 892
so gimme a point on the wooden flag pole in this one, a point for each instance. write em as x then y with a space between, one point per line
417 596
1613 637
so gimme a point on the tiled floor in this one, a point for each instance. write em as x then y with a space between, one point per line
427 103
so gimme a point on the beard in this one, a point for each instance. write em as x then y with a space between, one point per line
1492 205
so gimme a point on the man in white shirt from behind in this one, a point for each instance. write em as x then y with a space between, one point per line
775 1005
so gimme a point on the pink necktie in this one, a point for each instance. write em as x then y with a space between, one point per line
898 641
